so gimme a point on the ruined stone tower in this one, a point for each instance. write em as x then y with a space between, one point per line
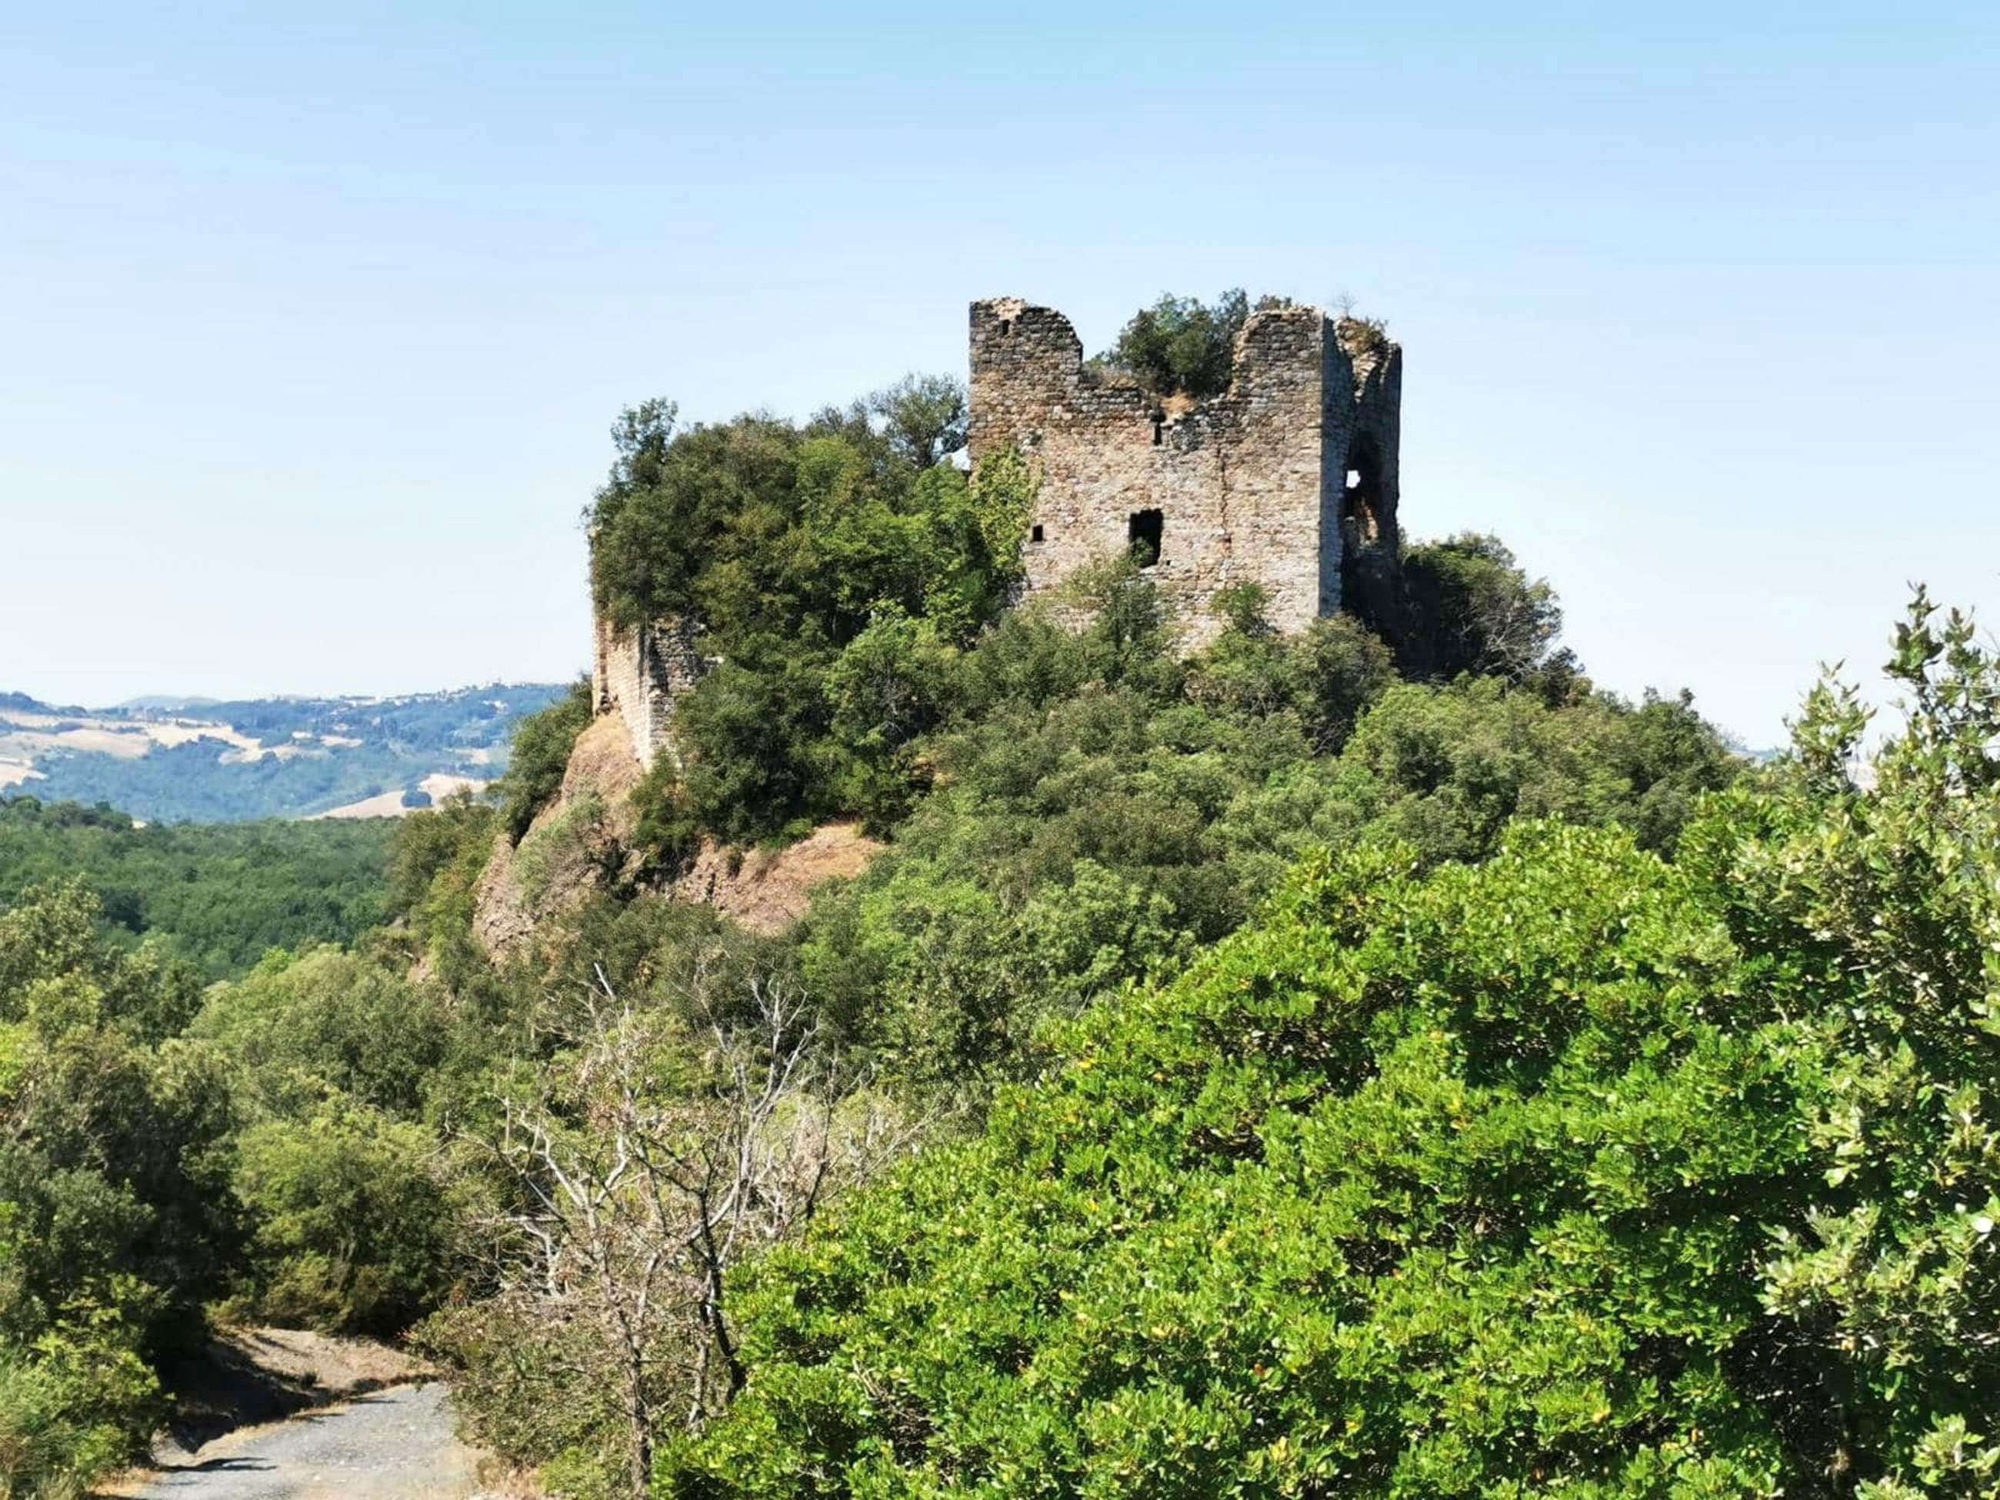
1287 480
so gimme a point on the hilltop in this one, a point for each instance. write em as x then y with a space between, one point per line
1206 1020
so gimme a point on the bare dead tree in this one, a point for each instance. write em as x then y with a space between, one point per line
683 1149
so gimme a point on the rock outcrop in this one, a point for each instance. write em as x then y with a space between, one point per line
766 890
583 841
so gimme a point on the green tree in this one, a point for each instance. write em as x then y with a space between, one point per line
923 417
1182 346
785 546
1872 911
354 1231
1422 1186
297 1027
216 895
115 1218
542 746
1473 609
1323 678
1571 1171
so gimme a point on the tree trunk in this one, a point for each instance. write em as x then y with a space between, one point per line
642 1443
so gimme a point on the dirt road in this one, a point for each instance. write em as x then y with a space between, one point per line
394 1444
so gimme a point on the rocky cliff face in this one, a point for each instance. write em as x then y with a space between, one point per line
576 845
767 890
582 842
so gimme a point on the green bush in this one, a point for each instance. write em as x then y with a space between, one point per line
1103 810
542 744
1570 1172
296 1028
436 859
1432 1145
534 1391
834 572
353 1231
1182 346
1323 678
116 1222
78 1403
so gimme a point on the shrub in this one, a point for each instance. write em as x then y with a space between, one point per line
1572 1171
1446 1146
296 1027
436 859
524 1385
804 554
115 1218
540 755
1323 678
353 1232
77 1404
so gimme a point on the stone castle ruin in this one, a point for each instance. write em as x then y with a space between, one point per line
637 673
1287 480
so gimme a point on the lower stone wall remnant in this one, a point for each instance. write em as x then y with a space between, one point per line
638 673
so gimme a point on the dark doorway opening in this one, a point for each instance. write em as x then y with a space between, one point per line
1361 501
1144 529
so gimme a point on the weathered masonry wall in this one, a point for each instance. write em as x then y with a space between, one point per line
1287 480
638 673
1369 474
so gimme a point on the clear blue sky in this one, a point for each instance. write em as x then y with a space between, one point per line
312 321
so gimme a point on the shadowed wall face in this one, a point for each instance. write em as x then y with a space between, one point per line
638 674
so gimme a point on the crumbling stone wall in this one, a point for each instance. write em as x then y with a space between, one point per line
1371 485
1252 486
638 673
1288 480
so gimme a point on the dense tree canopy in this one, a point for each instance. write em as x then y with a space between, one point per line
831 569
115 1217
1568 1172
217 894
1314 1065
1105 809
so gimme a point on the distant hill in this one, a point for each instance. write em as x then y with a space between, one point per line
165 759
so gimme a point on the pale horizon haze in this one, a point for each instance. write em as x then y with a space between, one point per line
313 321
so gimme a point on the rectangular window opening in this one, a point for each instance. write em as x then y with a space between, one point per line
1145 530
1035 532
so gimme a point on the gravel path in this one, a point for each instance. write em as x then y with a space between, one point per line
395 1444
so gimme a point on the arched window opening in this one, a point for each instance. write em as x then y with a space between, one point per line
1361 501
